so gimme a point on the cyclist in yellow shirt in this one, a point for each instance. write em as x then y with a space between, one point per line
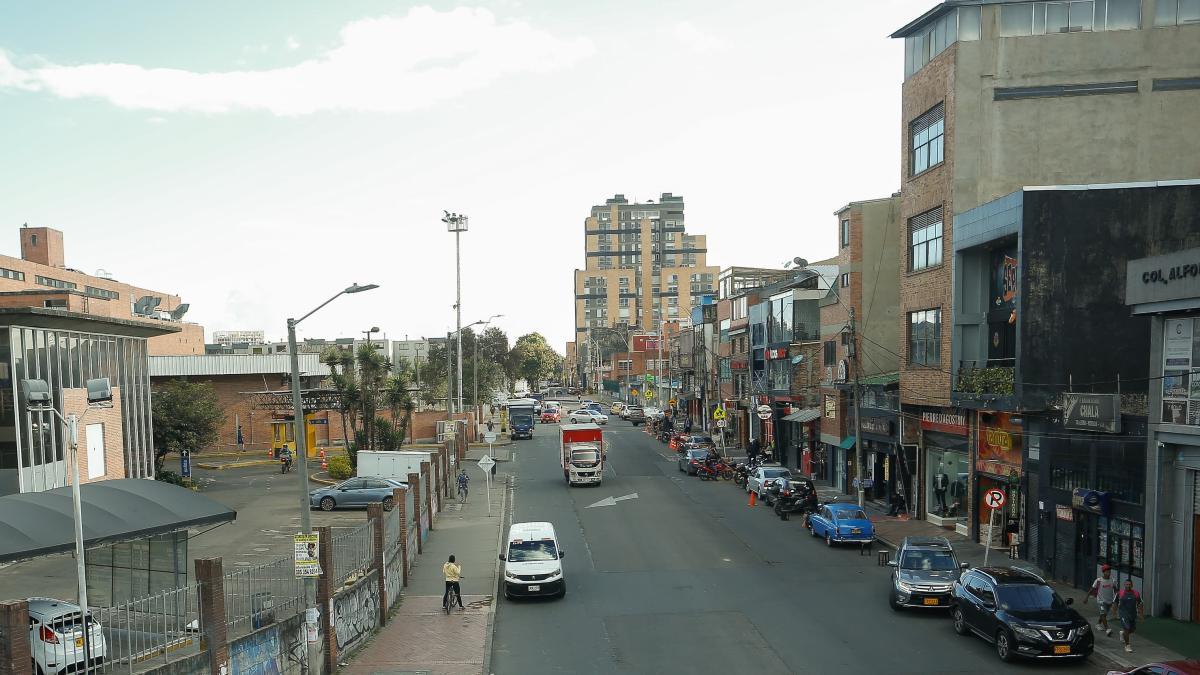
453 574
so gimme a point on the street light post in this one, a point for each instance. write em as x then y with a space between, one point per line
457 224
310 583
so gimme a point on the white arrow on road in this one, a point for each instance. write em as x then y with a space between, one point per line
612 501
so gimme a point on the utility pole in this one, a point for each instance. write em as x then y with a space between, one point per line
457 224
858 444
449 382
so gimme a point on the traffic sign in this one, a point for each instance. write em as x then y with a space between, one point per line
718 414
486 463
489 437
764 412
672 403
633 392
721 424
185 463
649 377
994 498
649 393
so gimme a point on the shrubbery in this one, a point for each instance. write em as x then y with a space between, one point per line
339 468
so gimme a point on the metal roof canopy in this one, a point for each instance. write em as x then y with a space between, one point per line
313 400
38 524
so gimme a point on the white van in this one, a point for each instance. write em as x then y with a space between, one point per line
532 561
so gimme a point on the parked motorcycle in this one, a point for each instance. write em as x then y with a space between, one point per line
788 500
742 471
714 470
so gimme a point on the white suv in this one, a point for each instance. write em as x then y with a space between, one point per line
56 636
532 562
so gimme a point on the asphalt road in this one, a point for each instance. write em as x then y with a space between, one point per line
685 578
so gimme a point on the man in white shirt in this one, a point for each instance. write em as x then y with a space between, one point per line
1105 590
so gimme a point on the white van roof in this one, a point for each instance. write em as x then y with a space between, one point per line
531 531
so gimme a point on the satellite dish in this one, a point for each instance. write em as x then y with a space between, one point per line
179 311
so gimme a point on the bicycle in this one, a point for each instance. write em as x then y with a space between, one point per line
452 599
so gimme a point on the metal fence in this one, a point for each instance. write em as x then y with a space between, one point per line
137 636
261 595
353 550
391 529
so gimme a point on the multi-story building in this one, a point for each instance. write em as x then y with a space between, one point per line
642 267
1001 95
41 278
412 352
228 338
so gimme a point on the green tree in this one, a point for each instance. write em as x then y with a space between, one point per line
187 416
533 359
373 369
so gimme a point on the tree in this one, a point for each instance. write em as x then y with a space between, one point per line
187 416
373 369
533 359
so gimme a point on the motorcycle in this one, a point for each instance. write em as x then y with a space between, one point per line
809 507
285 462
788 501
714 470
742 471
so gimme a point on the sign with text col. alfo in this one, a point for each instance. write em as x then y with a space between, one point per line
948 422
1092 412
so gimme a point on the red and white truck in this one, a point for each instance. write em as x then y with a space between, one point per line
581 448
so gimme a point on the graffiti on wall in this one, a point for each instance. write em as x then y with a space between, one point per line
256 654
393 575
356 612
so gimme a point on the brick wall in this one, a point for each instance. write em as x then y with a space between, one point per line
929 288
75 401
187 342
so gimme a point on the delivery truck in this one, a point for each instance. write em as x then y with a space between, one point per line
520 418
392 464
581 448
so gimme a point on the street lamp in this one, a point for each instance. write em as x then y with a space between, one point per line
475 361
38 399
368 332
310 583
457 224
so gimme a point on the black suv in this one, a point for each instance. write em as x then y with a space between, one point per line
924 573
1018 612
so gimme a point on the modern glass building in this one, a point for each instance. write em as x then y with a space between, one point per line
66 349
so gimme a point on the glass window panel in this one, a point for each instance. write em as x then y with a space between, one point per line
921 51
93 357
1016 20
1081 15
968 23
1039 19
1057 17
1165 13
935 39
949 29
1123 14
1189 11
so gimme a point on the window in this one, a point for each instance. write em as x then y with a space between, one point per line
845 280
934 37
1177 12
830 353
925 240
54 283
927 140
845 232
925 338
1016 20
12 274
102 293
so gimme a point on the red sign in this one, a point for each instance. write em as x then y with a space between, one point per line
737 364
951 423
777 353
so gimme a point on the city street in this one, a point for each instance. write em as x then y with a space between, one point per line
685 577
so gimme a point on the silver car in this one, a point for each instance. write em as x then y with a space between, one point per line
764 477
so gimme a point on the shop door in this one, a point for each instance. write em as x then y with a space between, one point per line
1085 548
1196 565
1064 550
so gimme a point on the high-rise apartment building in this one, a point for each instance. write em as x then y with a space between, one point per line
642 267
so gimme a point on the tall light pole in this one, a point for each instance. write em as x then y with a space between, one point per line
457 224
367 333
475 360
310 583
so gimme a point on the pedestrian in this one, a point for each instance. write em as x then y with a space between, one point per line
687 425
241 440
490 425
1105 590
1129 610
752 451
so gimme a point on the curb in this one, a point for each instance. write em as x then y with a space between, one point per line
499 575
236 465
323 481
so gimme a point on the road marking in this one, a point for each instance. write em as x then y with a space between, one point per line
630 496
612 501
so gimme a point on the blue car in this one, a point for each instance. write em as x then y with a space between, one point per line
356 493
841 523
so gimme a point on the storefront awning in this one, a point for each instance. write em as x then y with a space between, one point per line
803 416
847 443
42 523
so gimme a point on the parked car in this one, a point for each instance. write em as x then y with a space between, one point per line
585 415
635 414
551 416
841 523
1019 613
653 413
691 459
552 405
356 493
923 573
56 637
1186 667
694 439
764 477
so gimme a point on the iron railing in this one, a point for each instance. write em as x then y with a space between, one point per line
353 550
258 596
138 635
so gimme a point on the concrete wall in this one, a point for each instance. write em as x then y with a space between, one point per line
878 292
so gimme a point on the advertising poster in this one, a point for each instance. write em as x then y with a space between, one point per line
1175 412
1177 350
1193 417
307 564
1175 385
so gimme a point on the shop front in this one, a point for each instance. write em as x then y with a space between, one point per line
998 467
946 468
883 467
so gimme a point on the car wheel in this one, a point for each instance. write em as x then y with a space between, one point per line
388 503
327 503
892 601
828 539
1004 645
960 622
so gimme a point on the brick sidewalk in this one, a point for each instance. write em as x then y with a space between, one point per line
419 636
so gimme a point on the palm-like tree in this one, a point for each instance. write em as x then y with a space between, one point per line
373 369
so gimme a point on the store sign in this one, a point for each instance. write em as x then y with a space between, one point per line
737 364
1092 412
1163 277
951 423
1062 512
830 406
1092 501
777 353
880 426
999 450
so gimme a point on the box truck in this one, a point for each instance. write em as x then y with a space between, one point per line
520 418
581 448
396 464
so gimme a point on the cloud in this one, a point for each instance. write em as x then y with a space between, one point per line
156 120
292 43
387 64
698 40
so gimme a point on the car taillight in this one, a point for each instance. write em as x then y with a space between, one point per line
48 636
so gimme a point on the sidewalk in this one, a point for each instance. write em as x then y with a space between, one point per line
892 530
419 636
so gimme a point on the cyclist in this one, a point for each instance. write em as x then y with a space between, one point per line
453 574
463 480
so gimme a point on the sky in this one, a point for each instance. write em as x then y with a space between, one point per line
256 158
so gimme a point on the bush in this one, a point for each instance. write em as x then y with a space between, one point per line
171 477
339 468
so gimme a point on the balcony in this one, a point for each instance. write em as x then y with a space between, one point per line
990 383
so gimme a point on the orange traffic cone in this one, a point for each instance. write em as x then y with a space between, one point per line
753 499
324 462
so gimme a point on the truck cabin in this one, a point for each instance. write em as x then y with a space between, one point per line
584 455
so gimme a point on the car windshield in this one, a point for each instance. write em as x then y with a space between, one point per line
776 473
850 514
698 454
531 551
585 456
939 561
1027 597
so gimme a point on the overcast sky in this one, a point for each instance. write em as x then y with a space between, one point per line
257 157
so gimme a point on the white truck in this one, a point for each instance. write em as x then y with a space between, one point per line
395 464
581 449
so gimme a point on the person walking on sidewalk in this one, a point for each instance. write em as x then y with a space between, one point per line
1105 590
1129 610
453 574
463 481
490 425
